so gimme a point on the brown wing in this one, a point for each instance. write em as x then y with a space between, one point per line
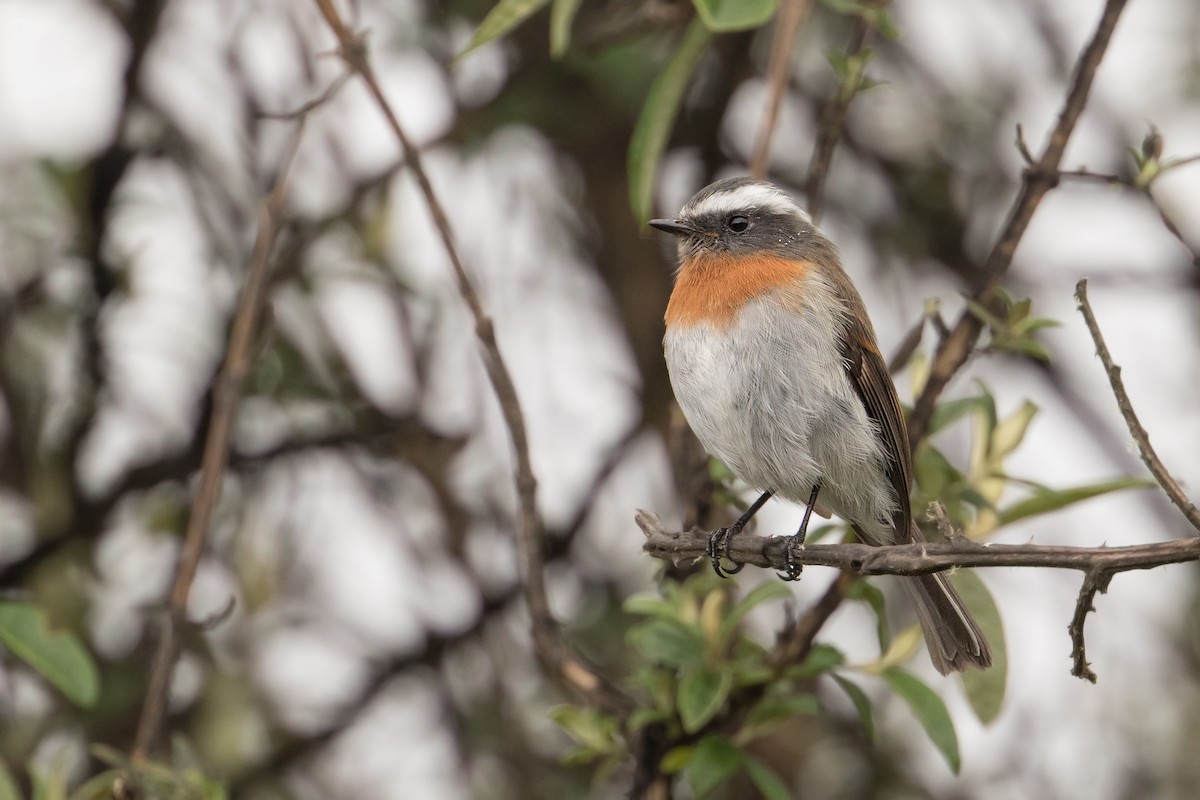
869 374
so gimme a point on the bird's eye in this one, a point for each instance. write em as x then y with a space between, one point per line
737 224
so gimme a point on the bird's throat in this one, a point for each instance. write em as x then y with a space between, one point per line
713 288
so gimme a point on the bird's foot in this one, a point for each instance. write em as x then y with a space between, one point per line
792 569
718 547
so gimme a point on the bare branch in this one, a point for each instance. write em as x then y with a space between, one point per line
920 558
795 641
1095 581
833 116
792 14
956 348
1098 564
1136 430
1145 188
227 391
547 637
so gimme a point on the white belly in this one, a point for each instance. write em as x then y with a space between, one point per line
770 397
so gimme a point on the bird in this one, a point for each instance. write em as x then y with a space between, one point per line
775 365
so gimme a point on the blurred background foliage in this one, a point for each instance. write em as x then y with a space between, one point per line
358 624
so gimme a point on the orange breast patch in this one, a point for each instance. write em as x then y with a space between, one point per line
714 288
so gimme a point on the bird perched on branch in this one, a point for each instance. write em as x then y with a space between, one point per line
774 362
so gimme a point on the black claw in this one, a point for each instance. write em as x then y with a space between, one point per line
718 546
789 552
793 569
718 542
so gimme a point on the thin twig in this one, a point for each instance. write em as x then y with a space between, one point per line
794 643
315 103
227 390
1095 581
1036 182
833 116
1136 430
1145 190
547 637
787 25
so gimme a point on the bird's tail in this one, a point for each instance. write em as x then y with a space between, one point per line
951 634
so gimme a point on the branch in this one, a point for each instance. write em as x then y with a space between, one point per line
1144 187
920 558
1096 580
795 641
547 637
1098 564
226 398
832 118
791 16
1035 183
1136 430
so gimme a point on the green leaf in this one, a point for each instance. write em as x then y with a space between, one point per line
769 785
646 715
750 665
724 16
651 604
1046 502
58 656
985 687
668 642
951 411
591 728
868 593
49 782
702 692
8 784
821 658
1028 347
933 471
883 22
562 14
676 759
862 704
994 323
98 787
1028 326
773 710
658 114
504 16
713 760
929 710
767 590
1009 433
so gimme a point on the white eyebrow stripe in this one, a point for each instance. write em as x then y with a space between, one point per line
763 197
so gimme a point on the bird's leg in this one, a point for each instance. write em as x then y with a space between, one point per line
718 543
794 569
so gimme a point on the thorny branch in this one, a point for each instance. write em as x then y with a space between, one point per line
1098 563
1136 430
547 637
227 391
956 348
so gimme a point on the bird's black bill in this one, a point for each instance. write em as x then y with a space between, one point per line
672 226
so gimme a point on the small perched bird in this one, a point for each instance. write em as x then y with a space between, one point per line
774 362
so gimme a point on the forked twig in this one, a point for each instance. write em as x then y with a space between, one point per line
1038 179
547 637
227 392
